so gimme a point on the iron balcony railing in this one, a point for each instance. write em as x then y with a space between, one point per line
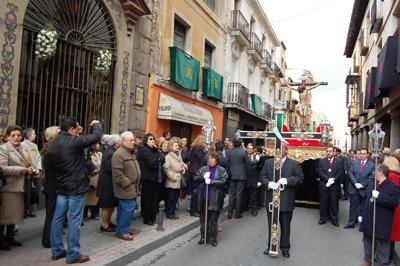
239 22
267 58
275 68
256 43
239 94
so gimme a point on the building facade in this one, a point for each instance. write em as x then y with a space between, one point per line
39 93
372 84
255 65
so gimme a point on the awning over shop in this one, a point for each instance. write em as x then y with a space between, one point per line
185 70
173 109
386 76
370 99
212 83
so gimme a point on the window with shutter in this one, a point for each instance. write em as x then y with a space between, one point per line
179 35
207 55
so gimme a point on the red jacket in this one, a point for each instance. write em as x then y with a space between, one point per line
395 236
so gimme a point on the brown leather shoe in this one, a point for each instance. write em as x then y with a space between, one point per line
171 217
60 256
365 263
219 229
130 232
126 237
80 259
238 216
229 216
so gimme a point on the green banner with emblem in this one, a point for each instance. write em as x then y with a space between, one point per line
212 83
185 70
257 104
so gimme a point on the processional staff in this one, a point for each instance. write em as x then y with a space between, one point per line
208 133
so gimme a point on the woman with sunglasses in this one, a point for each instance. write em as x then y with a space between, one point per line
150 161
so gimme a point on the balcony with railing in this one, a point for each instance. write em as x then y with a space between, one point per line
256 48
238 94
240 28
276 70
266 61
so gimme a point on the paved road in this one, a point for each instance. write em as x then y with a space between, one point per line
242 242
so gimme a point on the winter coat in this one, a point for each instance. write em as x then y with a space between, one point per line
12 162
195 157
217 195
66 154
105 189
149 160
126 173
173 167
395 236
387 201
91 198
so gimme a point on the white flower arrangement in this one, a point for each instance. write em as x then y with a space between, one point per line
103 63
46 43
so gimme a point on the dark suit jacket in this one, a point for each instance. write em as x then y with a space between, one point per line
292 172
387 201
253 172
363 177
324 174
238 159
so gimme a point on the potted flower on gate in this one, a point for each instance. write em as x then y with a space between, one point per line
103 63
46 43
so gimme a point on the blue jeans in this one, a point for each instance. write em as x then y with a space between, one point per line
172 199
126 208
75 204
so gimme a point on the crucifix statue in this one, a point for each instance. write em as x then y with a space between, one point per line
279 137
303 88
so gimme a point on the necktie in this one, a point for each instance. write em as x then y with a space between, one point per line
330 163
362 165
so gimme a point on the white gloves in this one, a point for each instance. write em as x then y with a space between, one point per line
375 193
341 185
358 185
359 219
273 185
282 181
206 175
259 184
207 181
257 157
330 182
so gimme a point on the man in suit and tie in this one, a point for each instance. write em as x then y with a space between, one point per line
347 163
361 173
253 178
238 159
291 176
330 172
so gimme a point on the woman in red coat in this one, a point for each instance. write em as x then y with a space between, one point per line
394 167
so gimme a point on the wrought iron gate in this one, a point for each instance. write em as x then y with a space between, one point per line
65 84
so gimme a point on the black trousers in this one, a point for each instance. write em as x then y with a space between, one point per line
329 202
212 223
261 196
235 195
50 208
149 200
284 220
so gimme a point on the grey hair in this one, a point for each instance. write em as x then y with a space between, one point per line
28 132
124 134
113 139
106 138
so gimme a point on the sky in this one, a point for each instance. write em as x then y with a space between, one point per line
314 33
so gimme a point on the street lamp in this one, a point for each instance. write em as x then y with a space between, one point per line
376 137
208 133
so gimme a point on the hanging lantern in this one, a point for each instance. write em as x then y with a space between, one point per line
376 137
209 131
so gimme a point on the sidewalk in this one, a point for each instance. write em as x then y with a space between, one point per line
102 247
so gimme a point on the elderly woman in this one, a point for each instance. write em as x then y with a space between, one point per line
49 186
394 168
104 191
151 161
91 198
13 162
215 177
28 144
174 167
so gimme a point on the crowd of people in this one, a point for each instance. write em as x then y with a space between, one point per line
94 173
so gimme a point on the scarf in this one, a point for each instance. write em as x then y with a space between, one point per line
212 171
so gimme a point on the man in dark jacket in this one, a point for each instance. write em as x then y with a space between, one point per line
66 154
253 178
387 195
238 159
330 172
291 176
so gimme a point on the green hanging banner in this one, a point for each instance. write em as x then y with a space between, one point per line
185 70
212 83
257 104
